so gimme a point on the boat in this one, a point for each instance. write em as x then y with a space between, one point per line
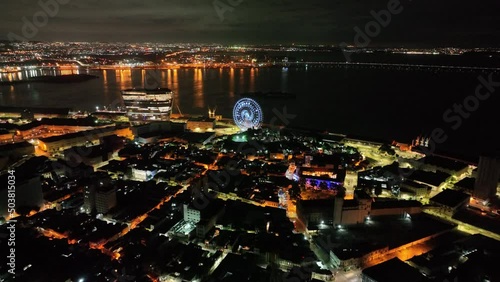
269 94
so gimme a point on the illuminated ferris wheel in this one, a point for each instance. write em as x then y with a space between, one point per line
247 114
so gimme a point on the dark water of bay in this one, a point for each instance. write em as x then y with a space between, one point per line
388 104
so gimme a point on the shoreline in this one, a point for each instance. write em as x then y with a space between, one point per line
68 78
358 138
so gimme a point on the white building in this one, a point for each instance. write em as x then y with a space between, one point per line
145 105
191 214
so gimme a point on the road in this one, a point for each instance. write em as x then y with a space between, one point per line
372 152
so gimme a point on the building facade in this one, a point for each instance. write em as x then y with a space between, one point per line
105 199
145 105
488 174
191 214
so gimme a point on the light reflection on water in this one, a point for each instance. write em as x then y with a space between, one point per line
365 102
195 90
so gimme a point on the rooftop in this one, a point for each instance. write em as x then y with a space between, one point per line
450 198
466 183
14 146
361 194
432 178
392 204
394 270
415 184
80 134
88 122
445 163
487 221
387 231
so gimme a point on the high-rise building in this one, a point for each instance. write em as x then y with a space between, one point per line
98 199
191 214
89 198
145 105
105 199
488 174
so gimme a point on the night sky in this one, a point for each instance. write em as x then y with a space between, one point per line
420 23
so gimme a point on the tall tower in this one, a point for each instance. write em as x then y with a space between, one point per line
488 173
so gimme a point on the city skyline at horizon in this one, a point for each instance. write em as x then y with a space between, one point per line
273 45
383 23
